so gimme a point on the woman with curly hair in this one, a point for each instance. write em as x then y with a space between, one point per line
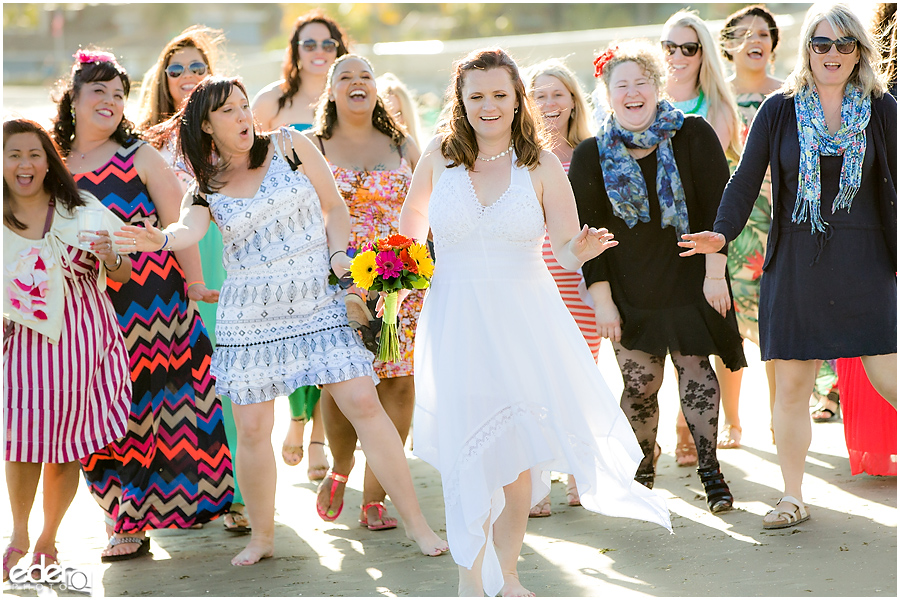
372 160
150 479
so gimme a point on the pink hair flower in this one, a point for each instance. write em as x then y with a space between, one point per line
389 264
93 56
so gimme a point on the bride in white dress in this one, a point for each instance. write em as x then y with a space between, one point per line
506 387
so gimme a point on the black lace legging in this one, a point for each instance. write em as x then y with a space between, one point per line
699 389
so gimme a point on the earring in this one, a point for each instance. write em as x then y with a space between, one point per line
515 110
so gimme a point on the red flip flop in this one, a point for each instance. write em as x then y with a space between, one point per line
386 523
336 478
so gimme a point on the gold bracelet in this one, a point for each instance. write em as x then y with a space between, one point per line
715 278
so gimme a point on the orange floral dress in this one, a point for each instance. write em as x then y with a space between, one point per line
375 199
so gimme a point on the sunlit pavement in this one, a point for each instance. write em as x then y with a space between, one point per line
847 548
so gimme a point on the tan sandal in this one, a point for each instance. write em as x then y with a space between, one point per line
290 454
729 437
541 509
786 518
685 452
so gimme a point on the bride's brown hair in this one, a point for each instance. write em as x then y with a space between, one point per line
458 142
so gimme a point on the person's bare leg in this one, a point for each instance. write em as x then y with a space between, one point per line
509 533
21 485
257 477
794 381
359 402
471 584
60 485
292 446
342 440
730 389
882 373
398 397
316 458
770 376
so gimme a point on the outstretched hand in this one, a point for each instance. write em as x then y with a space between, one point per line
705 242
200 293
591 242
132 238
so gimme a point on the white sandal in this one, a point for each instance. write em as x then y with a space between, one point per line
787 518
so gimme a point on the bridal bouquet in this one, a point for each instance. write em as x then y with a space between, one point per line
389 265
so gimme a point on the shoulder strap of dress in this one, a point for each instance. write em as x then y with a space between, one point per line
49 220
321 145
293 160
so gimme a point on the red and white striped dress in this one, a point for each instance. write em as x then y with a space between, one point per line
568 283
65 401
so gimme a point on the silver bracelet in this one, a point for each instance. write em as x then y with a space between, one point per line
116 267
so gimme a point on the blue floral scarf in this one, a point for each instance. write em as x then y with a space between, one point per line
849 141
622 175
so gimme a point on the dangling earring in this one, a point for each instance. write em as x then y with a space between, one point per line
515 110
72 110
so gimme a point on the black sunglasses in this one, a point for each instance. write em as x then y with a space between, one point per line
821 45
176 70
328 45
687 49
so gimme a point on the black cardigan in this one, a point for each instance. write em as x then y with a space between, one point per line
764 143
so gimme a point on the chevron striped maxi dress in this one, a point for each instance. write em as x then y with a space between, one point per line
173 467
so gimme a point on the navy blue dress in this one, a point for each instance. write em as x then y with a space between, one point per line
823 295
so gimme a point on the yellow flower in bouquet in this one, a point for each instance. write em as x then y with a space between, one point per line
362 269
419 253
389 265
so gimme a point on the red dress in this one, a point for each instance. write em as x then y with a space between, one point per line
870 423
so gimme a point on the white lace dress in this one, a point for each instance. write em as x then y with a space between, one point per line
279 325
504 379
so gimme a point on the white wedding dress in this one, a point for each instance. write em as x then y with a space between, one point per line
504 379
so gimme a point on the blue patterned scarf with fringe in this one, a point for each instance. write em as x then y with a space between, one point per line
622 175
849 141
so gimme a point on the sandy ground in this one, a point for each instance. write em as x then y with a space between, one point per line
848 548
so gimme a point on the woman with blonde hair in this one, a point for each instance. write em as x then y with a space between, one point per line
696 79
560 99
830 136
398 101
696 83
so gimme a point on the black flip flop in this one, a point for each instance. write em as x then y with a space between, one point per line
236 529
143 550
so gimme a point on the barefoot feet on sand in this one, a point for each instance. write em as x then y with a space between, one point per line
513 589
253 553
429 542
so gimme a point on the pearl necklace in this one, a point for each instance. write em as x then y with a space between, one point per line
493 158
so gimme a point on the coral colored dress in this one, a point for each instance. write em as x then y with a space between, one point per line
571 287
173 467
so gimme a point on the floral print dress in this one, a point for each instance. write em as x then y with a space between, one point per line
747 252
375 199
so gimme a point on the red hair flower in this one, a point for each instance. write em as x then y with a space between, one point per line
93 56
604 58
